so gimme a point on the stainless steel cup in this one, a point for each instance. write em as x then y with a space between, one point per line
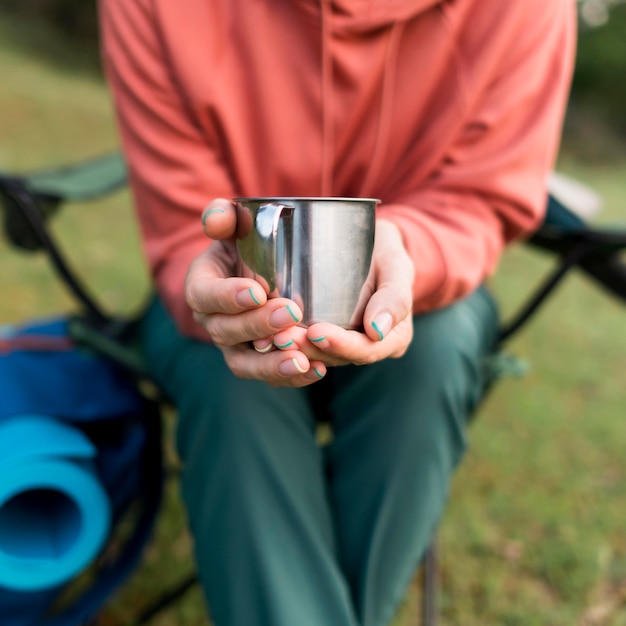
315 251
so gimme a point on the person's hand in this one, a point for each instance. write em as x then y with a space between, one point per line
387 321
236 311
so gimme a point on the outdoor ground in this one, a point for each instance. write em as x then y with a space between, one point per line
535 530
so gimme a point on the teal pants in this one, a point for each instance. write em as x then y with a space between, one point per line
289 532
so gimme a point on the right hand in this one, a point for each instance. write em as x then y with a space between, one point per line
236 311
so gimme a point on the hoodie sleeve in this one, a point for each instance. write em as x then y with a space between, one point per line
174 170
491 185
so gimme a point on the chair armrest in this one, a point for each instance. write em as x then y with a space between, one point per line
86 180
594 250
29 200
47 189
576 244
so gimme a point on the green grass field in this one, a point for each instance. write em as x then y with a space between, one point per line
535 530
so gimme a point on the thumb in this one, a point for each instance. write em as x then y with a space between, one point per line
392 300
219 220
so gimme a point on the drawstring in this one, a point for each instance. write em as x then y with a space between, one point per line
326 183
386 100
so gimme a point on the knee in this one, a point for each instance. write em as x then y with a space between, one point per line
443 380
215 420
449 348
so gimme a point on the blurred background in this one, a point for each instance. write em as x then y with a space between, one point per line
534 534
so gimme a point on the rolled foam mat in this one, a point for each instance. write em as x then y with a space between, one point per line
55 514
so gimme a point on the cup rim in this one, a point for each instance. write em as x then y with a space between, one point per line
279 199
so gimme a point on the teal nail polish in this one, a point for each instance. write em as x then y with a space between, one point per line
317 339
381 335
210 212
284 345
382 324
319 374
293 315
254 298
282 317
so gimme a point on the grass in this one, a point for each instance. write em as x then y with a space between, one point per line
534 534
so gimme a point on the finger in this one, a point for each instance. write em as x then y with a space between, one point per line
316 344
207 295
295 337
341 346
348 346
384 313
316 372
263 345
252 325
280 369
219 219
392 300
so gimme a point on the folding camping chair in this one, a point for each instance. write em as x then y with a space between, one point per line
30 199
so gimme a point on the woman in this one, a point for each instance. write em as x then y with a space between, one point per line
450 113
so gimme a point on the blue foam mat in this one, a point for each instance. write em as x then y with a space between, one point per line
55 514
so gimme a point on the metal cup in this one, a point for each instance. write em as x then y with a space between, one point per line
315 251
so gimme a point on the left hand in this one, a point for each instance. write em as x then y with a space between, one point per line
387 318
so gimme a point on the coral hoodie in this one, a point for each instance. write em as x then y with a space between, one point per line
448 111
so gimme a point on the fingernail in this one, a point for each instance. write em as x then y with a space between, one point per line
291 367
382 324
208 212
285 316
320 342
263 347
318 373
282 346
247 297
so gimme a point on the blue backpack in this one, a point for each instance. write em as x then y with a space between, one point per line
80 452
